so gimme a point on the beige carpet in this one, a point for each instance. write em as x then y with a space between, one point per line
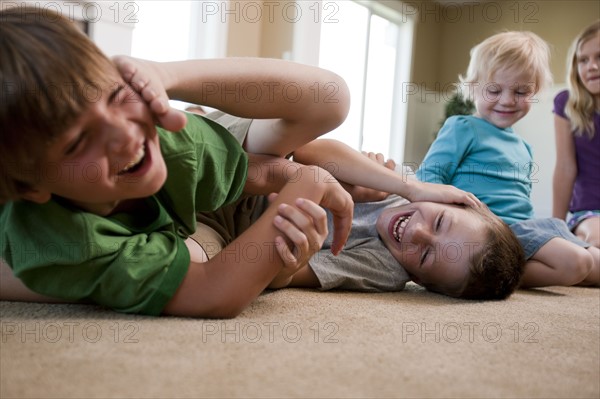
300 343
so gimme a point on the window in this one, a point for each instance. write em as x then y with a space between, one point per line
369 45
160 22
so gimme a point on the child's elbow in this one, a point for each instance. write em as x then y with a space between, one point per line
333 102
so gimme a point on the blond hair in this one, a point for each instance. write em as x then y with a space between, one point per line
580 105
515 49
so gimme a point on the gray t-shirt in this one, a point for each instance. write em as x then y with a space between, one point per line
364 264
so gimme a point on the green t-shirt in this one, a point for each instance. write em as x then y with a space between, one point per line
131 263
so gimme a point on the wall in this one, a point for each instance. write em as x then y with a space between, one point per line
445 34
261 29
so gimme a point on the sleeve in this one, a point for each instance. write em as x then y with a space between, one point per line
81 257
447 151
560 103
364 265
207 170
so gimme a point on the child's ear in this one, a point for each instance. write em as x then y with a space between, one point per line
38 196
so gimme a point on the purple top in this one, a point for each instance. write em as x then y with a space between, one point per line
586 190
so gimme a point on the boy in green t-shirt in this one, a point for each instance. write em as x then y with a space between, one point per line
89 212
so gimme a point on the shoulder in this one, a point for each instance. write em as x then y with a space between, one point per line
560 102
459 127
561 97
198 131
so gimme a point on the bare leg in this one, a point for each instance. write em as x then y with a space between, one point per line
589 231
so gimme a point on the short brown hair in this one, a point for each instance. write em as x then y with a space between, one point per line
494 271
50 73
497 269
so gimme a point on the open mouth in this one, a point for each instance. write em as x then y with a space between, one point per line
135 164
399 227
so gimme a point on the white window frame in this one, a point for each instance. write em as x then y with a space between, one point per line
306 50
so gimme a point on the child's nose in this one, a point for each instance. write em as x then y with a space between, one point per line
508 98
119 137
422 235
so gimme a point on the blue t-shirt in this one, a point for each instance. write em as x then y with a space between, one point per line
494 164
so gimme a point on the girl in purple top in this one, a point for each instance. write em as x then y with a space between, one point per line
576 184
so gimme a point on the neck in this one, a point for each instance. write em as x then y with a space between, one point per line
99 209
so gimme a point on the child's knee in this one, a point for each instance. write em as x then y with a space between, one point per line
582 264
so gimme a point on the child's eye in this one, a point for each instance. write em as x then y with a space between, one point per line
117 95
424 257
438 223
76 145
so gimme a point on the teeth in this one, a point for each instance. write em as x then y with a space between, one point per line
137 159
399 227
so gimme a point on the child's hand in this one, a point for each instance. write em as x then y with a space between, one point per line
145 78
304 231
442 193
340 204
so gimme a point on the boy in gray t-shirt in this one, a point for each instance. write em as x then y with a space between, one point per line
365 264
457 250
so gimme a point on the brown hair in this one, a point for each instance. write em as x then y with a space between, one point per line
50 73
497 269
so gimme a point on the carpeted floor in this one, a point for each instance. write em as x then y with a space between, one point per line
301 343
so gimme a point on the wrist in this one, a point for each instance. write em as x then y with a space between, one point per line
410 188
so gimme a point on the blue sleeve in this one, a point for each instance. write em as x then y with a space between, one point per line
445 155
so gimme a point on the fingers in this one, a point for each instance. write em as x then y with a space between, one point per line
473 201
380 159
285 253
305 228
390 164
139 77
340 203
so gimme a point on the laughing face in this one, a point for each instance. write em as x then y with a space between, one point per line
433 242
109 155
505 99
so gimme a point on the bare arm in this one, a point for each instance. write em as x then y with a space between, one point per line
293 103
352 167
12 289
227 283
565 169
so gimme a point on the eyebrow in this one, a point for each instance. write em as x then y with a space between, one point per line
113 95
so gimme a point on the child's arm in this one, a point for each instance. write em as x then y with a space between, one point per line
352 167
293 103
446 152
560 262
565 169
226 284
